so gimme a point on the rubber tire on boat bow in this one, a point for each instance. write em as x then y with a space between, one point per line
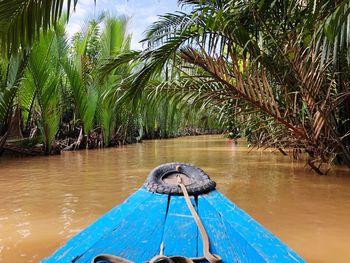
200 181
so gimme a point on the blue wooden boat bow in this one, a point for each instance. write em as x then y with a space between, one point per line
135 229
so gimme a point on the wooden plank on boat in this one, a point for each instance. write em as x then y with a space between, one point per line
220 243
267 245
88 237
224 241
138 236
180 231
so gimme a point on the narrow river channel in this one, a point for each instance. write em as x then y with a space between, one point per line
47 200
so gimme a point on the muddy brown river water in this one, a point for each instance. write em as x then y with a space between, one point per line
47 200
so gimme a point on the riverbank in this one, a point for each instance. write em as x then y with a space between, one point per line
19 147
67 192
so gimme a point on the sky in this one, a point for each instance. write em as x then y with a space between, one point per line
141 12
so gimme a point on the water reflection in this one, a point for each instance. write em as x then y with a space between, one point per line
46 200
67 213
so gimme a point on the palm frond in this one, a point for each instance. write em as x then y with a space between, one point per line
22 20
115 63
12 76
43 85
334 33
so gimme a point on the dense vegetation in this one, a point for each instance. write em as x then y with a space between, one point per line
54 94
278 70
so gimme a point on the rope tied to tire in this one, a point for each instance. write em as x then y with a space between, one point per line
161 258
205 239
162 179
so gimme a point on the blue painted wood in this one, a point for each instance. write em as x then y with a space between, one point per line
180 231
138 236
261 240
223 240
136 228
220 242
88 237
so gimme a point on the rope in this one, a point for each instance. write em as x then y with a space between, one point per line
205 239
174 259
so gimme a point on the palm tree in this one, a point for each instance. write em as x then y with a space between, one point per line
11 74
114 41
40 92
92 93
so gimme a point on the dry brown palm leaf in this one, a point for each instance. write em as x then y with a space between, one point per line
249 84
248 81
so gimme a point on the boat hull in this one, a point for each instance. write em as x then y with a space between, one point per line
136 228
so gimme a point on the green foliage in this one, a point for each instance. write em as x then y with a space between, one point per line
21 21
82 90
11 73
42 85
263 65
